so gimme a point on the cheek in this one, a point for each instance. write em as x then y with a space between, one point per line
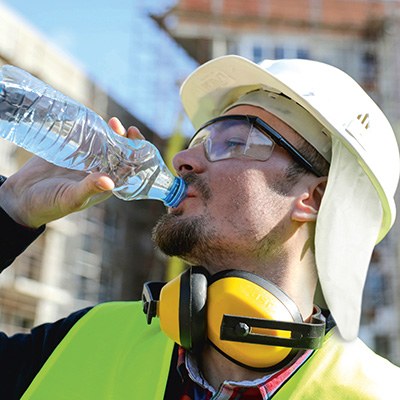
245 198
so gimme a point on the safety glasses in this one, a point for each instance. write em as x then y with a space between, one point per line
243 136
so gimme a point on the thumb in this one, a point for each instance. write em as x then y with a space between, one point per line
91 190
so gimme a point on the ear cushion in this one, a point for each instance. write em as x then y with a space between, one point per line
192 308
182 308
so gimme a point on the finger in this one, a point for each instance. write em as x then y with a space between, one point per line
86 189
134 133
116 125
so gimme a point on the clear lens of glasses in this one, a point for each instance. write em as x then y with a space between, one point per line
234 139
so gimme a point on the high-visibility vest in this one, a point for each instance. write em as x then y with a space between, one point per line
111 353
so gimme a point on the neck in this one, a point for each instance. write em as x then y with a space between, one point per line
216 369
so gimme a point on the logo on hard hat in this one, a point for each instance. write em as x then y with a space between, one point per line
358 128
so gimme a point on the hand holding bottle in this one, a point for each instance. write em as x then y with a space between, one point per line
44 121
41 192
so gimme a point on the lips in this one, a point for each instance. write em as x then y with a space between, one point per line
191 193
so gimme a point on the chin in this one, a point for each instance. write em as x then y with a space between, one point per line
177 236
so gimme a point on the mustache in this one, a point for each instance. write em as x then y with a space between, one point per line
199 183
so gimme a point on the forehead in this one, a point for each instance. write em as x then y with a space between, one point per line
285 130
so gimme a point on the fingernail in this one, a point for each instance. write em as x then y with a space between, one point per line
105 184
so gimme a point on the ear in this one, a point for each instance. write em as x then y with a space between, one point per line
306 204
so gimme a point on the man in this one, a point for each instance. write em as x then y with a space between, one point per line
260 205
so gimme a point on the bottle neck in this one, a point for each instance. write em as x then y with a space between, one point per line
176 194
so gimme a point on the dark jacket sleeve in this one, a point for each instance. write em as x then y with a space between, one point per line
23 355
14 238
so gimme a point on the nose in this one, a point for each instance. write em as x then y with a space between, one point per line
190 160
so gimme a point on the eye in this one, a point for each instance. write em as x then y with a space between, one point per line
234 142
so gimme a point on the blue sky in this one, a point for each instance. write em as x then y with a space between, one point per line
120 48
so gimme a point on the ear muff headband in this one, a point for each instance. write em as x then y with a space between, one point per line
268 286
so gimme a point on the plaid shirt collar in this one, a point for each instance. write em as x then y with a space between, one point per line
195 387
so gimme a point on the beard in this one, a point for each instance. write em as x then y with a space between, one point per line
179 237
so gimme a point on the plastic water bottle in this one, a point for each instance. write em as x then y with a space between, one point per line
49 124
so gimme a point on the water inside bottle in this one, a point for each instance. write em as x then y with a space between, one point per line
69 135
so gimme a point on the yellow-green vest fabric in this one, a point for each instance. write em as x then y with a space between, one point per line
111 353
342 370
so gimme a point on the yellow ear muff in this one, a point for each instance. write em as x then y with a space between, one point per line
246 318
239 293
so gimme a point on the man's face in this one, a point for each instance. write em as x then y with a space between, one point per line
234 213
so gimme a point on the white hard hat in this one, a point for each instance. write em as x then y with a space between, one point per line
358 206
